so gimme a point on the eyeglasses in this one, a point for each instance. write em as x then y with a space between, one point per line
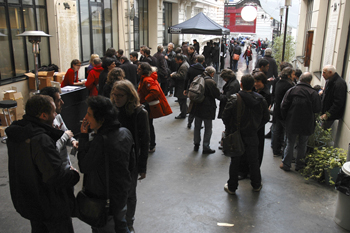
78 65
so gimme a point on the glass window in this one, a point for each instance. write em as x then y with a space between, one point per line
85 30
141 24
27 2
108 24
167 22
97 29
12 1
44 44
40 2
5 58
29 25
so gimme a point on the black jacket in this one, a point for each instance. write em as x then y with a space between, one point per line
118 145
40 183
171 61
334 97
207 109
282 86
237 50
215 53
193 71
102 81
207 51
162 67
130 71
298 109
255 114
273 68
265 92
230 88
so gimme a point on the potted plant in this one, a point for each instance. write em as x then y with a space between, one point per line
324 164
320 137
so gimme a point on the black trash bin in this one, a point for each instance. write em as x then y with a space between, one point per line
342 184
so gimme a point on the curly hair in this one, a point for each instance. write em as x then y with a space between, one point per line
287 72
129 89
102 108
115 74
228 74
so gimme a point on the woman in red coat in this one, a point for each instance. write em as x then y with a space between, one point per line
152 96
71 77
248 55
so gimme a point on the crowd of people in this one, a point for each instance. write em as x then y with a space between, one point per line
117 132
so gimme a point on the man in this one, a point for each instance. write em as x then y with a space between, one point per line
236 50
148 58
93 77
162 69
298 108
179 78
120 53
222 55
184 48
130 71
41 185
196 45
207 53
170 57
193 71
133 58
205 112
192 54
333 96
215 55
254 115
263 66
272 72
67 138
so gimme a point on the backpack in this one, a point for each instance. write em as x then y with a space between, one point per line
196 90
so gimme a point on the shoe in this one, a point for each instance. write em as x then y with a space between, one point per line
209 151
196 147
228 191
257 189
189 125
131 229
283 167
151 150
176 101
180 117
268 135
170 95
220 147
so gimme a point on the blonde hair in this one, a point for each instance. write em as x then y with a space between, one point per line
129 89
92 57
115 74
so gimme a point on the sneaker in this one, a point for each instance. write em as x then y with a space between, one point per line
283 167
257 189
189 125
229 191
209 151
151 150
196 147
131 229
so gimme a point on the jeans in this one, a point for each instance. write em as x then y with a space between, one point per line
115 224
216 66
54 226
235 65
251 157
132 200
301 148
208 124
247 60
183 106
278 138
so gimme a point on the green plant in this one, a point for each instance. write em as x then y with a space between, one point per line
278 47
323 160
320 137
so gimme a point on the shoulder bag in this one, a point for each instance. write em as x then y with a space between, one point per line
94 211
233 145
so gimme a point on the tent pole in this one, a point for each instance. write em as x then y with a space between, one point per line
219 54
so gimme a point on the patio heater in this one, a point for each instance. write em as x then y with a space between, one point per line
287 4
34 37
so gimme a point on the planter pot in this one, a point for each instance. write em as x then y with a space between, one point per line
332 173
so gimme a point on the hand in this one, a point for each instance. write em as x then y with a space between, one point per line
166 57
142 176
185 92
69 133
320 92
271 79
324 117
72 168
75 144
84 128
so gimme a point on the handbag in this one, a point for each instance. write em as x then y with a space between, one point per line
233 145
91 210
236 57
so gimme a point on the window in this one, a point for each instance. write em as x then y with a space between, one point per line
17 16
140 24
167 22
94 27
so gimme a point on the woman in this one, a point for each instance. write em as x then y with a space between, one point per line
108 63
152 96
248 55
91 62
231 86
134 117
114 144
114 75
71 76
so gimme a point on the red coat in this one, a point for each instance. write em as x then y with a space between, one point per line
92 80
69 78
248 53
149 91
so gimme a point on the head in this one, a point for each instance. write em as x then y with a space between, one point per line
170 47
285 64
134 56
123 59
114 75
200 59
108 63
42 107
111 52
247 82
260 80
146 51
124 94
97 61
287 73
179 58
178 50
328 71
195 41
100 111
144 69
227 74
160 48
264 65
142 48
190 49
298 73
268 52
54 93
92 57
120 53
208 43
306 77
210 71
75 64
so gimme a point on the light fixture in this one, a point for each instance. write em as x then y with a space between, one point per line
34 37
249 13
